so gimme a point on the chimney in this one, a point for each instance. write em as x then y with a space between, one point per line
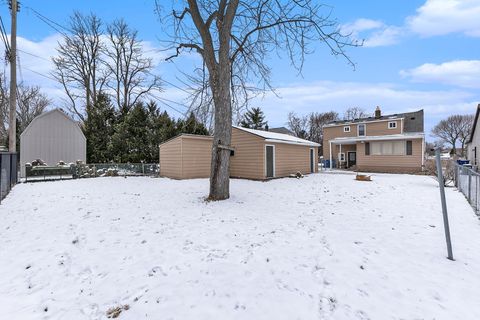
378 113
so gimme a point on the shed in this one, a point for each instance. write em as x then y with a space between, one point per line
52 136
257 154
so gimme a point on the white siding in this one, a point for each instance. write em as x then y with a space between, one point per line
52 137
475 143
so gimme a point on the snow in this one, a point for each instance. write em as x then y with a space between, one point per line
279 137
321 247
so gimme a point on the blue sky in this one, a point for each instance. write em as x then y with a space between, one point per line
417 54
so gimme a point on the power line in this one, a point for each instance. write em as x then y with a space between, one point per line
40 74
33 55
51 23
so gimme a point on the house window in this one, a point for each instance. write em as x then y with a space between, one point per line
367 148
361 129
346 129
409 148
388 148
341 157
392 125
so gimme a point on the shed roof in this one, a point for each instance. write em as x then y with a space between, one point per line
45 114
279 137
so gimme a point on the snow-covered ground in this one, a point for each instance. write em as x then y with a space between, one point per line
322 247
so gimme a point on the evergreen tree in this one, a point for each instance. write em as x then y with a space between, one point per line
254 119
98 129
191 125
130 139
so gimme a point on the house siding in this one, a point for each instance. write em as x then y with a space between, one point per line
196 157
379 128
474 143
171 158
384 163
290 159
248 160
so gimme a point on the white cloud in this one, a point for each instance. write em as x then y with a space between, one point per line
461 73
441 17
375 33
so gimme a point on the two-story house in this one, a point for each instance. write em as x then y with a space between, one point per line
391 143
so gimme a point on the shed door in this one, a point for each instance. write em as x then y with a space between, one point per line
312 161
269 159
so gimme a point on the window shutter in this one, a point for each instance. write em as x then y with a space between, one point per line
409 148
367 148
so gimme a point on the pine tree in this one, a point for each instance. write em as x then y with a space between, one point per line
130 140
98 129
191 125
254 119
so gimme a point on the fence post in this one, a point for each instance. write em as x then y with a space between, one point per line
441 184
470 186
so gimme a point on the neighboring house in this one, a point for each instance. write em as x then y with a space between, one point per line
256 154
392 143
473 144
52 136
281 130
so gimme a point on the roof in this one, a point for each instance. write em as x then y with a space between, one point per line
282 130
188 135
413 121
474 124
279 137
48 113
402 136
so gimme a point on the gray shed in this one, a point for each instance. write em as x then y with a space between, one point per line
52 136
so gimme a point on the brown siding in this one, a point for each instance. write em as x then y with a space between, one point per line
249 154
196 157
391 163
290 158
171 158
372 129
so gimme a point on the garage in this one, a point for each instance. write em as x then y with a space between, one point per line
257 154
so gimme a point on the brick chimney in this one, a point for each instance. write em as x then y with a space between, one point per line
378 113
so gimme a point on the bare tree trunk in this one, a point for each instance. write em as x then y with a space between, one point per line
220 168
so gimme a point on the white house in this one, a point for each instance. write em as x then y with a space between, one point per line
52 136
473 144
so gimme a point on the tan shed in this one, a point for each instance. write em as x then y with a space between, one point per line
257 155
52 136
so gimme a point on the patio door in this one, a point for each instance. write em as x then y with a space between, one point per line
270 161
352 158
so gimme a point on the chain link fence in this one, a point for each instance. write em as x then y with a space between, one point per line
79 170
8 172
467 180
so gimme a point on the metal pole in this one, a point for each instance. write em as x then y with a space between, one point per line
444 203
12 131
469 186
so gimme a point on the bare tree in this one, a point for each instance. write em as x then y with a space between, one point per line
456 128
4 110
316 122
131 78
78 65
31 102
310 126
298 125
234 39
466 127
355 113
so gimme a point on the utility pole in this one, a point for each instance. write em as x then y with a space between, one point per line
12 132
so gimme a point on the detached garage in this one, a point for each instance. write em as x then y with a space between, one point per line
52 136
257 155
